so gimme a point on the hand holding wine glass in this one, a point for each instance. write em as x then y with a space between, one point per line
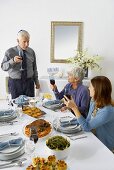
17 59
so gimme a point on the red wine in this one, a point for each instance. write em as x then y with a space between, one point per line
52 81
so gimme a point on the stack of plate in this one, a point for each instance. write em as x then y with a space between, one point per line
12 152
7 115
67 129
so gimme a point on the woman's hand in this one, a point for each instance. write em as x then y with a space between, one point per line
69 103
53 87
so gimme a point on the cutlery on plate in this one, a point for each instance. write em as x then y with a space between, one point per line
72 138
9 134
18 162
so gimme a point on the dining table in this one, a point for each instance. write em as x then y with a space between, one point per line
86 153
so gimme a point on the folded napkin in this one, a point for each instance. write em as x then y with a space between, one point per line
6 112
52 102
11 143
22 99
68 122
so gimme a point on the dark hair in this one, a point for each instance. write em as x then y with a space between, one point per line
103 90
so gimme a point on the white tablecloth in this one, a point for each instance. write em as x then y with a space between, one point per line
86 154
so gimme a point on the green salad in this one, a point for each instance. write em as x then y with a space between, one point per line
57 143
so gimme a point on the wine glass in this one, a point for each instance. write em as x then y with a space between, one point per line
21 69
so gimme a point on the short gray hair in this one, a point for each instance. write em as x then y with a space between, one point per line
77 72
23 33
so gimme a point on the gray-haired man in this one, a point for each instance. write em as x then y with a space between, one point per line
20 62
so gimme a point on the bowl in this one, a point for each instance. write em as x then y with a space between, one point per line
60 153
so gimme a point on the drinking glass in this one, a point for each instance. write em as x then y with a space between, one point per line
29 148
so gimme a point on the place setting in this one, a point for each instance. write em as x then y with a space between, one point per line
12 149
67 125
8 117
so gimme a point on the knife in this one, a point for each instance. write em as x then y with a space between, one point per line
9 134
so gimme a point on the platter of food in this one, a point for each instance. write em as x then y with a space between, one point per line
42 126
33 111
47 163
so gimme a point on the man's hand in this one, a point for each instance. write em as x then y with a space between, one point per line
37 86
17 59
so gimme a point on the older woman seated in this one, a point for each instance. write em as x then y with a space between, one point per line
101 112
75 89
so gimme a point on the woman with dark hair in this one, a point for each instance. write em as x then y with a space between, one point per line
101 112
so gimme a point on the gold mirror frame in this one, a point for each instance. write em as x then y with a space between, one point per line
65 25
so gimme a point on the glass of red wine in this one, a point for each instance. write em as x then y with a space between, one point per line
52 81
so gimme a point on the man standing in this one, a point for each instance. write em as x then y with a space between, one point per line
20 62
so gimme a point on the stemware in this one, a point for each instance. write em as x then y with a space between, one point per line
21 69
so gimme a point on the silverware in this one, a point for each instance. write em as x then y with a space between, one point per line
72 138
18 162
9 134
8 123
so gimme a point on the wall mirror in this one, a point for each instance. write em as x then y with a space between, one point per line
66 37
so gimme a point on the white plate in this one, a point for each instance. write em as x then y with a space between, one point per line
9 150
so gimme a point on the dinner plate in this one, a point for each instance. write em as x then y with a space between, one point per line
69 129
12 152
9 150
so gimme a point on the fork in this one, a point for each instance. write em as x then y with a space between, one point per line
9 134
18 162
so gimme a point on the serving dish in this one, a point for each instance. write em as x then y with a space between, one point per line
42 127
33 111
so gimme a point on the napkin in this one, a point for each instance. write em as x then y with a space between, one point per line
11 143
6 112
52 102
68 122
22 99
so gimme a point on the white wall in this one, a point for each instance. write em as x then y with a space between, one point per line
36 16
